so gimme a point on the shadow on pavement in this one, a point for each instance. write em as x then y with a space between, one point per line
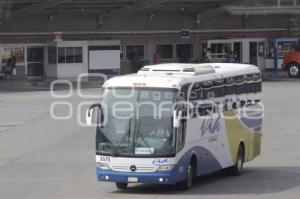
254 181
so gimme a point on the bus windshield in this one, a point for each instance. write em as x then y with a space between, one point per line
136 122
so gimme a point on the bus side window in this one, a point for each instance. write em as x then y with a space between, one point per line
219 88
184 92
196 92
228 88
208 91
181 135
245 85
239 81
257 85
250 84
205 109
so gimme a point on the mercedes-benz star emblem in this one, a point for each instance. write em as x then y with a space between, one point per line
133 168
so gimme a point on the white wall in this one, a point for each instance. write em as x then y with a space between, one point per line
51 71
72 71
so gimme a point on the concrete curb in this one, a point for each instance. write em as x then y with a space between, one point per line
45 85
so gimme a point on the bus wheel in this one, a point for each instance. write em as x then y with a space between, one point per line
188 182
238 168
121 185
294 70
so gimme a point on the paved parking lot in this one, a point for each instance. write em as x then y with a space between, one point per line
45 158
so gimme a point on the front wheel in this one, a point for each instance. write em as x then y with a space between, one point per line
121 185
294 71
188 182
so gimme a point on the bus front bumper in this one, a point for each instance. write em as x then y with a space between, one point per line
166 177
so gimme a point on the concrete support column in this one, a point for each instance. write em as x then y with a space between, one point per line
197 48
149 50
245 50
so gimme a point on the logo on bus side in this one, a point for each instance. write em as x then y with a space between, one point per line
160 161
210 126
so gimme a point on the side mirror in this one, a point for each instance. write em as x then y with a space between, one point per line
177 116
90 113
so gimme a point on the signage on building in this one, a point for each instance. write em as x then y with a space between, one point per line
58 36
185 34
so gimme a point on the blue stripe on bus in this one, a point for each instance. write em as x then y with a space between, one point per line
206 163
252 123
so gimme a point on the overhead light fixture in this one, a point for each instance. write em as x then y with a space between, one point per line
198 18
182 10
50 19
100 20
151 16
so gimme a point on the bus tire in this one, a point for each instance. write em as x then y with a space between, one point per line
188 182
238 168
121 185
294 70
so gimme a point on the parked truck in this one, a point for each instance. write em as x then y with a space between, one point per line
291 62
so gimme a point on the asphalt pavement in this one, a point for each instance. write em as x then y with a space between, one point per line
46 158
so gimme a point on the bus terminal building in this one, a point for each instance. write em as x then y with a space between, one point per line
63 39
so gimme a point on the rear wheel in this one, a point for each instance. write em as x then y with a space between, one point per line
188 182
294 70
238 168
121 185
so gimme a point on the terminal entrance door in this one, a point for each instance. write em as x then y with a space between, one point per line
35 61
237 48
253 53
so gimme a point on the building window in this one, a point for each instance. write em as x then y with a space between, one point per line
52 55
9 53
69 55
184 52
220 50
165 51
61 55
135 51
78 55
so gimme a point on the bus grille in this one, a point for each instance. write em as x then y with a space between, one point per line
138 169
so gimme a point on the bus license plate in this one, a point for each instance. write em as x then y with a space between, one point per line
133 179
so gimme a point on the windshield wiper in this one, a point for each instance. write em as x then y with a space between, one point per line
117 148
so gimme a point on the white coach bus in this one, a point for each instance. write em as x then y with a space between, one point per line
170 123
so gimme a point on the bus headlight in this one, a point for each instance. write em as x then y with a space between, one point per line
165 167
102 165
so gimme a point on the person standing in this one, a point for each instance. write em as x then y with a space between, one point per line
236 57
230 57
156 57
8 69
208 55
13 67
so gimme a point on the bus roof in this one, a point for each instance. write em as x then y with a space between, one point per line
175 75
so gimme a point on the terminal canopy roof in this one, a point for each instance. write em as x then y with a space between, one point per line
10 9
